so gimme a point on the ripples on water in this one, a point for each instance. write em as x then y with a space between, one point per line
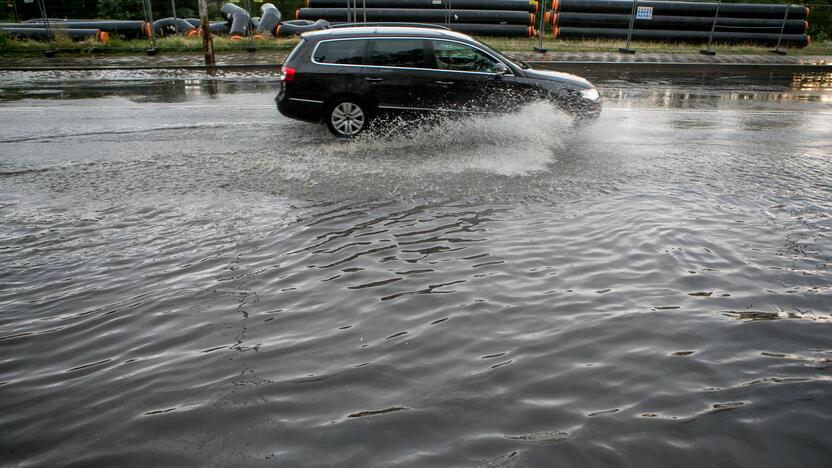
498 292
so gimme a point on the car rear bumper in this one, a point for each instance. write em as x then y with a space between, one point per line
308 110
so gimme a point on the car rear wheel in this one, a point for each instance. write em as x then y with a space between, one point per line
346 118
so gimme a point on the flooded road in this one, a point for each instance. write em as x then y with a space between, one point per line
190 279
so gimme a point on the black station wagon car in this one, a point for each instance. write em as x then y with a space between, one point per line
348 76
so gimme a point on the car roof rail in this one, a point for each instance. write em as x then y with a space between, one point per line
418 25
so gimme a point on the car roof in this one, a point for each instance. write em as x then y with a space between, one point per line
384 31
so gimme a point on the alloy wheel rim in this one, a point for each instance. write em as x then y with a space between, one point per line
347 118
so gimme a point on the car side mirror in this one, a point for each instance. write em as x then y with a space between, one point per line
501 69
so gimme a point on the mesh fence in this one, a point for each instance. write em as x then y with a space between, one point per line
559 23
688 25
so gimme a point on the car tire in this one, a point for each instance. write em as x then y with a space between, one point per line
346 118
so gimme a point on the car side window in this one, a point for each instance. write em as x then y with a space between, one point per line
461 57
349 52
408 53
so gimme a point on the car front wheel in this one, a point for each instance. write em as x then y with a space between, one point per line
346 118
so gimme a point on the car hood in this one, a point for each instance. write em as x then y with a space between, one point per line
573 80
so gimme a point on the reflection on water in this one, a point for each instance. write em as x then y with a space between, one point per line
812 81
803 87
141 85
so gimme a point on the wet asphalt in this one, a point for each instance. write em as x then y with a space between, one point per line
187 278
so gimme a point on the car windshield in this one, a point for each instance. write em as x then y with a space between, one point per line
519 63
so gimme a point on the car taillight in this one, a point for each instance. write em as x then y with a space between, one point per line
287 74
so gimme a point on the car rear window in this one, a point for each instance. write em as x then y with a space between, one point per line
295 51
397 53
349 52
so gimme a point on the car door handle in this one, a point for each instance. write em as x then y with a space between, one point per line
444 82
374 80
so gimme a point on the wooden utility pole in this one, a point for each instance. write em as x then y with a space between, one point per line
207 42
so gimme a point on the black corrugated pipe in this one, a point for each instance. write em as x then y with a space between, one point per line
516 5
217 27
46 34
239 18
730 10
423 15
126 28
503 30
699 37
167 26
289 28
228 11
680 23
269 19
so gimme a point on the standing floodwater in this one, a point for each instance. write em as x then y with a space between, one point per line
189 279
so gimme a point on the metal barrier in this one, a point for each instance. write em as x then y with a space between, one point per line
692 22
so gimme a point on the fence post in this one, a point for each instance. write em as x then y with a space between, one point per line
782 28
710 49
148 16
175 21
626 49
49 33
541 8
250 47
364 9
207 41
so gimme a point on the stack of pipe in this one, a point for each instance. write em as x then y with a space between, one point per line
681 22
77 29
239 19
18 30
216 27
269 19
295 27
483 17
239 23
167 26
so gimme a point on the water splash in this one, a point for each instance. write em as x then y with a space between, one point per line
519 143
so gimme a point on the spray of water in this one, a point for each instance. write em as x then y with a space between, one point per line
507 144
495 156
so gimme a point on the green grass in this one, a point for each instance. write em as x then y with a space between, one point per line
10 46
